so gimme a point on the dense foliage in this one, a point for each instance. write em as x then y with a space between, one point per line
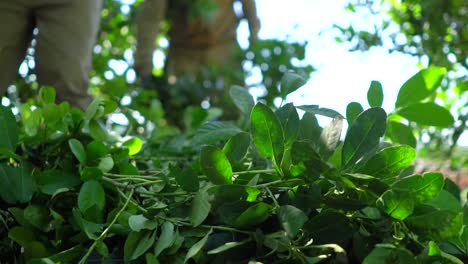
436 33
278 188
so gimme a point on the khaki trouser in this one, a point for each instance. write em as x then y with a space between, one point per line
67 32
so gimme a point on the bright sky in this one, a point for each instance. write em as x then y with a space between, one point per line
341 76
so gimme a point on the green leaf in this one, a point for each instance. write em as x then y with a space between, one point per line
446 201
435 224
139 222
352 111
91 173
290 82
213 132
237 146
106 164
137 243
309 127
330 137
134 145
215 165
429 114
375 94
97 131
197 247
329 227
166 239
77 150
227 246
200 208
389 255
242 98
423 187
96 150
47 95
267 133
420 86
292 219
399 204
91 194
433 249
315 109
363 135
400 133
92 109
8 131
389 162
254 215
50 181
289 119
16 183
21 235
187 178
37 216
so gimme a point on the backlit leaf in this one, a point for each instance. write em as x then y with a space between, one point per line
330 137
429 114
315 109
215 165
389 162
363 135
254 215
420 86
375 94
290 82
400 133
267 133
237 146
423 187
242 98
352 111
399 204
134 145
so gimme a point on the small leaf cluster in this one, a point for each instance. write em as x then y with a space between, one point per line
279 188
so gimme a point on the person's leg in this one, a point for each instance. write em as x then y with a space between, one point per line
15 35
67 34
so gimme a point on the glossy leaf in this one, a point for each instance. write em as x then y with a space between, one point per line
363 135
352 111
420 86
446 201
210 133
134 145
400 133
289 120
78 150
429 114
237 146
423 187
435 224
292 219
375 94
290 83
254 215
399 204
200 208
242 98
91 194
389 162
216 165
16 183
267 133
8 133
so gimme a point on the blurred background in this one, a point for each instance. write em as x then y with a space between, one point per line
339 47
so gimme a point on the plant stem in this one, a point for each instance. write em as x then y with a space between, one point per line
272 197
104 233
253 171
